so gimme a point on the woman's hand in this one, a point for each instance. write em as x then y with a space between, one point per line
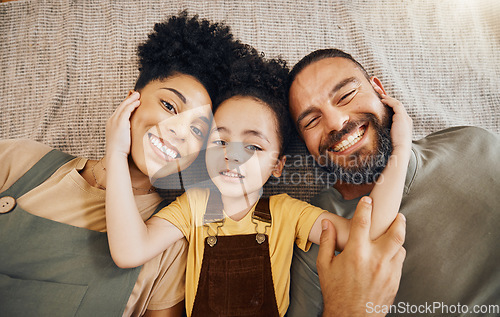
118 138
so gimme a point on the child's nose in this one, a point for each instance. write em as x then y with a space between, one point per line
235 152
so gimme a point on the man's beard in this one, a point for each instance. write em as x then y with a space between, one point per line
359 170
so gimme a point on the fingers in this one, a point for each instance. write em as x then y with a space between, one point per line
118 126
395 104
397 107
126 108
361 222
392 241
327 244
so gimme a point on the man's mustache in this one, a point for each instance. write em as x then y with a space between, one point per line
334 137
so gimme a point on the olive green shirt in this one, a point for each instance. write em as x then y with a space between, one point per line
452 205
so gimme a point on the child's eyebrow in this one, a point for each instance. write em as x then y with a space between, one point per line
257 134
221 129
249 132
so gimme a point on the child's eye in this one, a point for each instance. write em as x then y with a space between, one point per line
168 106
219 142
197 131
253 148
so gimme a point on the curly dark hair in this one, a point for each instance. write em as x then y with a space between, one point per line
191 46
252 75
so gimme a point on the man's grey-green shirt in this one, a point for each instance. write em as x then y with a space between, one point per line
452 205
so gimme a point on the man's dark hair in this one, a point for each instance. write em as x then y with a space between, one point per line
252 75
319 55
191 46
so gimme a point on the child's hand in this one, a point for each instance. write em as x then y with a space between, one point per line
401 129
118 126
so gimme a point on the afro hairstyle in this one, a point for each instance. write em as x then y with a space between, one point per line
252 75
187 45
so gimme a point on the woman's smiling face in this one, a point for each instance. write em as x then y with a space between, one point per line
170 126
243 147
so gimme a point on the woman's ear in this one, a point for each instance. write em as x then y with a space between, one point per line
280 165
377 85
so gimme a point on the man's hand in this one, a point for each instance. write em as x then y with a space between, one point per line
366 273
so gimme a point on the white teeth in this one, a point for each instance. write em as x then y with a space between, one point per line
162 147
231 174
350 140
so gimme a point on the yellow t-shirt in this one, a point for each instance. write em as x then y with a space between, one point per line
66 197
292 221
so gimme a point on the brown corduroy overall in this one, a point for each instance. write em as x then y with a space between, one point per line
236 277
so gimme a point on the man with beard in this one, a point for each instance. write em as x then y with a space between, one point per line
450 199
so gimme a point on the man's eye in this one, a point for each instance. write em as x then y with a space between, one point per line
311 123
348 96
168 106
197 131
252 147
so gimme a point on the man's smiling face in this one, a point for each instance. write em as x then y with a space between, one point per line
341 119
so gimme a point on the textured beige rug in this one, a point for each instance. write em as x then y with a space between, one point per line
65 65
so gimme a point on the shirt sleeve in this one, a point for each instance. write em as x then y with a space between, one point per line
304 216
178 213
17 156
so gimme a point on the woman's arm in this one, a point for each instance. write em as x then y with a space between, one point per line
132 242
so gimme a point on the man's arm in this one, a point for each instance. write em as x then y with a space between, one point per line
367 273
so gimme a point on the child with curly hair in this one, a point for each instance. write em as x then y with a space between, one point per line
241 245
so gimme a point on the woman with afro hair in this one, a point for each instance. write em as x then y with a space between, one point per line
57 207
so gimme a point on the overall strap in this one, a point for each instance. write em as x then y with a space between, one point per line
36 175
213 212
214 209
262 211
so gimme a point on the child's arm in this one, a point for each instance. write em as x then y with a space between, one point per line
131 241
388 190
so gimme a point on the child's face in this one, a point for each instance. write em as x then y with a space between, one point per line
170 126
243 147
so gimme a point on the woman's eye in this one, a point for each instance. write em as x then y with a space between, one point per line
168 106
253 148
197 131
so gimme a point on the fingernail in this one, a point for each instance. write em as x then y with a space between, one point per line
324 224
403 216
367 199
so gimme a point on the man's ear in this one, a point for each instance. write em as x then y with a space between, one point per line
377 85
280 165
